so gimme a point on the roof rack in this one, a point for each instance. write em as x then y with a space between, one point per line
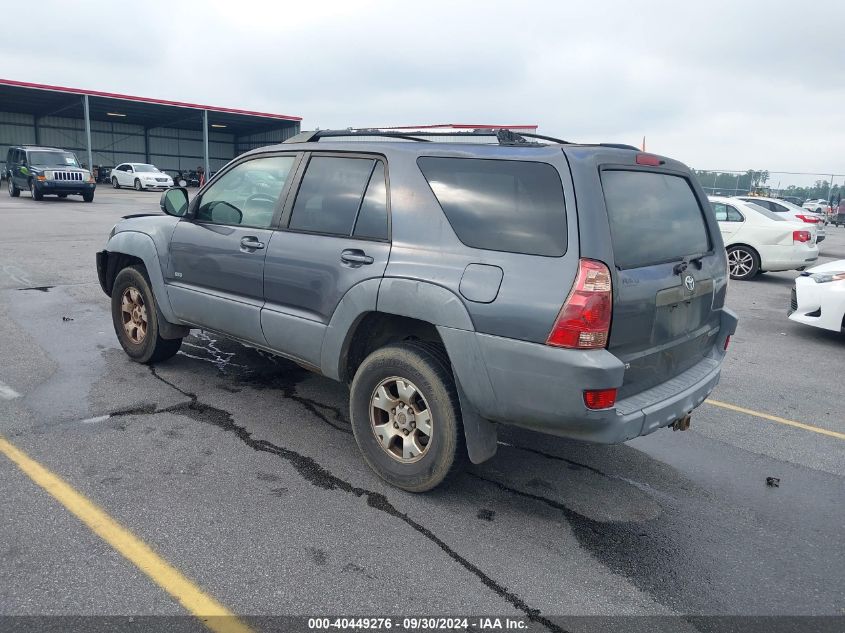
502 136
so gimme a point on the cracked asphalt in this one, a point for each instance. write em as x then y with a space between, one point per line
239 469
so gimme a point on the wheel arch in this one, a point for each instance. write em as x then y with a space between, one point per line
133 247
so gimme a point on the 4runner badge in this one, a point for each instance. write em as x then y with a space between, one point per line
689 282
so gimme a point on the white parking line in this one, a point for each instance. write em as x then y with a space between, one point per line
7 393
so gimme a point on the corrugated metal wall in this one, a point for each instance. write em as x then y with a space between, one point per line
114 143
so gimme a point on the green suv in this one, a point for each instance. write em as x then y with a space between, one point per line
47 171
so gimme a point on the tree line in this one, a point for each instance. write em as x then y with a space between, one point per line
758 181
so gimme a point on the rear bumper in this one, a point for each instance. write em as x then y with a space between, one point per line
788 257
540 387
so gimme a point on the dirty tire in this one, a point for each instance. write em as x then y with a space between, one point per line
152 348
429 371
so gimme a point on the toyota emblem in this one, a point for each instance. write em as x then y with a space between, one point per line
689 282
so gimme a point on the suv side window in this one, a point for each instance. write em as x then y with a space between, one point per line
372 217
500 205
247 194
336 192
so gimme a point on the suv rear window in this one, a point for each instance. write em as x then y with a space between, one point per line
653 217
500 205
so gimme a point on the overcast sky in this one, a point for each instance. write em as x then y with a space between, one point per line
727 85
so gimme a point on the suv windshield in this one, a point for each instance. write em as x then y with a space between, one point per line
143 168
654 218
53 159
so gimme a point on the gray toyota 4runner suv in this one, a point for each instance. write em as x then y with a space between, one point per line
576 290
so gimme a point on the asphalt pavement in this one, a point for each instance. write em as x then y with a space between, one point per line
240 471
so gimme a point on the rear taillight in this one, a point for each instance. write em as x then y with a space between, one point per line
800 236
600 398
808 219
584 320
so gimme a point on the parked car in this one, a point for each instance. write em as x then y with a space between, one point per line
760 240
792 212
452 285
820 206
139 176
818 297
45 171
794 200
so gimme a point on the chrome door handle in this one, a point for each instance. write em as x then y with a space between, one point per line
355 256
251 243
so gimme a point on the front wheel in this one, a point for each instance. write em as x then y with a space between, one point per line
743 262
33 189
138 186
88 197
114 182
135 319
406 417
14 192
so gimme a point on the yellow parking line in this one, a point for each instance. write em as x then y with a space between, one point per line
779 420
213 614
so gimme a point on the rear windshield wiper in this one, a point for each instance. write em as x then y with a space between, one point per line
682 265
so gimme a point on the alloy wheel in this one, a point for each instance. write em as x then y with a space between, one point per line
401 419
133 313
741 262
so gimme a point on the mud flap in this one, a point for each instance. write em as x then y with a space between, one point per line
481 435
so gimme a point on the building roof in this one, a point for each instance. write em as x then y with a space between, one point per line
46 100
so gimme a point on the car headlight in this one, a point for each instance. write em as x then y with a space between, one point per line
113 231
823 278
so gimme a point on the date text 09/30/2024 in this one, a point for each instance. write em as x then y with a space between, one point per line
418 624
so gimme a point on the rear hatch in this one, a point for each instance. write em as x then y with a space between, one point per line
669 277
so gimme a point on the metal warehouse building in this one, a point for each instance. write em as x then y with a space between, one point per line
107 129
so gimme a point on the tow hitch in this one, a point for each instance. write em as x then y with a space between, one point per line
682 424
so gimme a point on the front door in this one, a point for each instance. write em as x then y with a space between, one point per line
216 268
336 236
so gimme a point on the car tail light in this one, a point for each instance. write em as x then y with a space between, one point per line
800 236
649 159
600 398
584 320
808 218
727 341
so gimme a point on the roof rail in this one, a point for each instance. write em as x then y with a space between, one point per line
502 136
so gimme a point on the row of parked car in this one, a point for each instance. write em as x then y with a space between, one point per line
767 234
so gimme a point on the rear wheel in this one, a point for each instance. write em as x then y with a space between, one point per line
743 262
406 417
13 191
33 189
135 319
114 182
137 185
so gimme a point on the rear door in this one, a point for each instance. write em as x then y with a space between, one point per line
729 218
335 235
668 258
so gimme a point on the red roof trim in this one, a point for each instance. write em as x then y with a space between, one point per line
474 126
114 95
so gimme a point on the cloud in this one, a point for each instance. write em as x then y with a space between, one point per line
718 85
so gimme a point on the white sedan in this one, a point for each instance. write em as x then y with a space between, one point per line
818 297
759 240
139 176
